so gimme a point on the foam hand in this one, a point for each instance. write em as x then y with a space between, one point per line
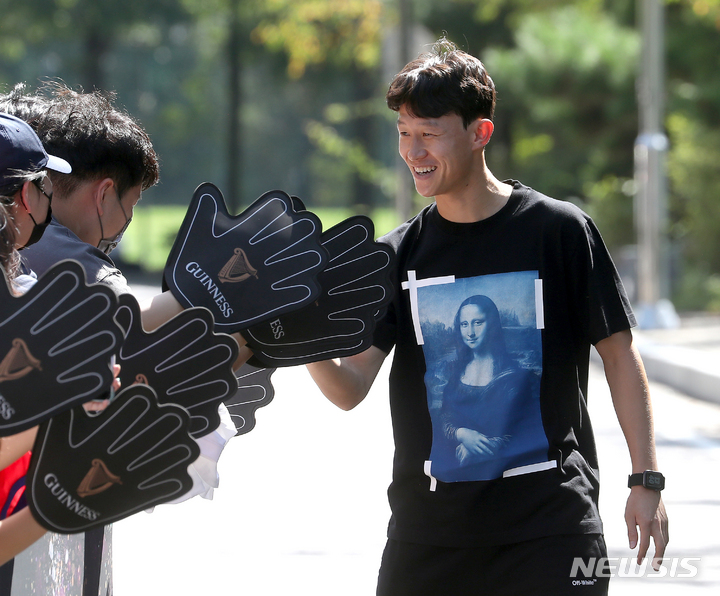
254 390
246 268
87 471
356 286
56 342
184 362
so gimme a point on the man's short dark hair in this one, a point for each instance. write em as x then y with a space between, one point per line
98 139
24 104
444 81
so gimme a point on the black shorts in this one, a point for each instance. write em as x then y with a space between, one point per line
540 567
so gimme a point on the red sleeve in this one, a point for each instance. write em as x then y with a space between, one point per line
12 485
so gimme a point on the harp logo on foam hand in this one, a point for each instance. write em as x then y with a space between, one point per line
238 268
17 362
98 479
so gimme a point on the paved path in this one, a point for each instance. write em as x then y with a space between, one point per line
302 507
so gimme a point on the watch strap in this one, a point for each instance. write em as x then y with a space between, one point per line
650 479
635 479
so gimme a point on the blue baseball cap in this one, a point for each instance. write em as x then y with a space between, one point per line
22 151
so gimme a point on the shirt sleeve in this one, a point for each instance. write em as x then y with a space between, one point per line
603 300
385 329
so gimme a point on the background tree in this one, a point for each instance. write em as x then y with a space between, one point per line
693 123
261 94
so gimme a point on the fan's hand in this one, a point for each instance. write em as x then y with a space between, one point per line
87 471
184 362
254 390
356 286
56 342
246 268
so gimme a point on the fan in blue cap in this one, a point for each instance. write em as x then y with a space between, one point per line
23 159
21 151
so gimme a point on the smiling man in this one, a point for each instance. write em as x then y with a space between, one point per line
495 481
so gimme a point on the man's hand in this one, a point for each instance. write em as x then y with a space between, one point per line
645 511
246 268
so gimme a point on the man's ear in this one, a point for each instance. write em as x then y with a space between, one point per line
24 196
103 190
483 129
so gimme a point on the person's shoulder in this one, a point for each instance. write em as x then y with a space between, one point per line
56 238
539 203
112 276
59 243
534 199
57 229
67 245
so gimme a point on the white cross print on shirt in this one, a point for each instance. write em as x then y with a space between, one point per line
412 284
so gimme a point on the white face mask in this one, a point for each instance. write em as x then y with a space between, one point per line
107 245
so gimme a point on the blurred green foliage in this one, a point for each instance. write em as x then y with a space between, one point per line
147 242
260 94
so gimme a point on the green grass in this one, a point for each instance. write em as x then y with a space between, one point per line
149 238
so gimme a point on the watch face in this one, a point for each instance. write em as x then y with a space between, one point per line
654 480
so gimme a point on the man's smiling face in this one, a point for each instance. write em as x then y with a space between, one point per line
438 151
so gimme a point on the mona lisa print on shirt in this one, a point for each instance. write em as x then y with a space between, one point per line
483 352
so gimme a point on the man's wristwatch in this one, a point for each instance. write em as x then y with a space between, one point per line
648 479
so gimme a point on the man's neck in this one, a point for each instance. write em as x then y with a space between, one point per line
477 203
69 216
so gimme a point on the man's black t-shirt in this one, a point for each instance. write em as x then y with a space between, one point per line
528 289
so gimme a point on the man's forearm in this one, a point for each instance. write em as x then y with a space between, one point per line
628 384
346 381
15 446
17 532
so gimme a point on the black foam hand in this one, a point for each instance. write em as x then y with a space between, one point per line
254 390
245 268
356 287
56 342
184 361
87 472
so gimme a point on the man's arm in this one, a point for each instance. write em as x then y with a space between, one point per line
17 532
628 383
15 446
158 310
346 381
